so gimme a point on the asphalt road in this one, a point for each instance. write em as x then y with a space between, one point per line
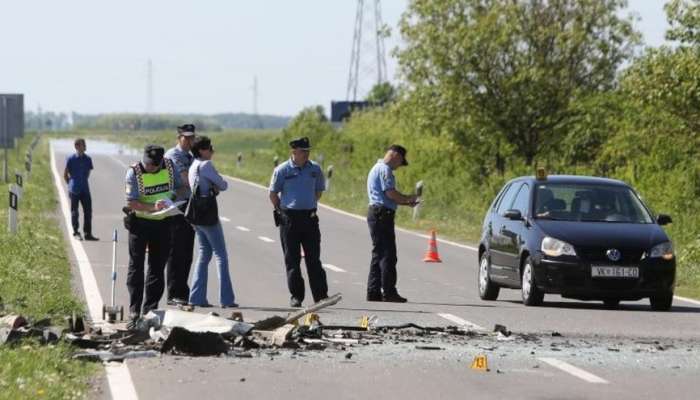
630 353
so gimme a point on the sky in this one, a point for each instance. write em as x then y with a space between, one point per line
91 56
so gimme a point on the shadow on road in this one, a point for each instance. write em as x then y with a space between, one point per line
452 304
601 306
286 309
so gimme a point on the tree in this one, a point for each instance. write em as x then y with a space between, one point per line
382 93
684 21
512 67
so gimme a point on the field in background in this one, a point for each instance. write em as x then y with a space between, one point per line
35 281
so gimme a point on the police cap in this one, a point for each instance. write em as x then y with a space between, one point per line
186 130
401 150
153 154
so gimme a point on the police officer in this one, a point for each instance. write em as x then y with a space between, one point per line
150 187
180 258
383 200
295 188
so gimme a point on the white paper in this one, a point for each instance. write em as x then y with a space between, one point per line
170 211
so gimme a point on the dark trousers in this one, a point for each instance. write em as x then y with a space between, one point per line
382 268
86 201
298 229
180 258
156 236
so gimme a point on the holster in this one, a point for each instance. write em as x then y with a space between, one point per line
129 219
277 217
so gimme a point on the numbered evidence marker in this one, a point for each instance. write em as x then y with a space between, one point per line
480 363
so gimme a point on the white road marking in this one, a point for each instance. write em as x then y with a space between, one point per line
333 268
118 377
224 219
266 239
575 371
120 162
687 300
242 228
460 321
361 218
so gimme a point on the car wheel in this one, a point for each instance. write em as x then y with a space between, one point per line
532 295
661 301
611 303
487 289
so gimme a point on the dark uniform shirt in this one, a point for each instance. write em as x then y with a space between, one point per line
79 168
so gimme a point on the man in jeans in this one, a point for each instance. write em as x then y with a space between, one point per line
182 235
76 174
383 200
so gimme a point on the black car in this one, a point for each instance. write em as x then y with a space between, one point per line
581 237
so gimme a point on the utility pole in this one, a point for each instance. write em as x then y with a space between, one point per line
257 122
4 116
149 87
368 55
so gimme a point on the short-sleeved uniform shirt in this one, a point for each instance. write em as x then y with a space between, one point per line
298 185
132 186
379 180
182 160
79 168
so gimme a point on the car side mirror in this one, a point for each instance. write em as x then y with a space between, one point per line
663 219
514 215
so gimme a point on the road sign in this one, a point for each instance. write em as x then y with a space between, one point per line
11 119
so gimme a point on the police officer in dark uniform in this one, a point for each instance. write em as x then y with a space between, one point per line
383 200
180 259
295 188
150 187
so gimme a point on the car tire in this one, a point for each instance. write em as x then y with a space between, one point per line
488 290
661 301
531 294
611 303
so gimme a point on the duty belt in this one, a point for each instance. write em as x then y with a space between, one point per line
376 208
299 213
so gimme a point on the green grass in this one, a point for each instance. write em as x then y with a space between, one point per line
35 281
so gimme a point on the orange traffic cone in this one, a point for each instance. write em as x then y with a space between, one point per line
432 254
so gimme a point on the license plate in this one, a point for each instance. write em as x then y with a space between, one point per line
599 271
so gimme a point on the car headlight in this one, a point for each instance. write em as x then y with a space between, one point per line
555 247
663 250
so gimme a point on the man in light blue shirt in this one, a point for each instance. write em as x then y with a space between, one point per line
182 234
383 200
295 188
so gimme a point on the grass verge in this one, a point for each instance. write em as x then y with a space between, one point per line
35 281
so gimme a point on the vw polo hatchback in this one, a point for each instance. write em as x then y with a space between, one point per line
581 237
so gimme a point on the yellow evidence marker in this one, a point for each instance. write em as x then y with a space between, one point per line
311 318
364 322
480 363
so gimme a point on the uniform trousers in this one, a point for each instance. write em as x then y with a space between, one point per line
299 228
180 258
154 234
382 267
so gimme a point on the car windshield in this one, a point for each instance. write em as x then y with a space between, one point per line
589 203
